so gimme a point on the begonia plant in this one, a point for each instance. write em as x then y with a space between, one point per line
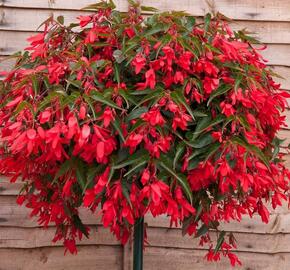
130 116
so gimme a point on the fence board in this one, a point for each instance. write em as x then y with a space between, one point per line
238 9
29 20
88 258
185 259
14 237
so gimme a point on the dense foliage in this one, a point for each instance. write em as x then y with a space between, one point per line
129 116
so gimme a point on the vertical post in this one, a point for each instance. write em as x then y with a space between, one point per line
138 244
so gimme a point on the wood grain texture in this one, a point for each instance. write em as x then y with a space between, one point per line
29 20
52 258
266 10
184 259
11 237
12 215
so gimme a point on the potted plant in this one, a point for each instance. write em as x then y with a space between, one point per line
128 116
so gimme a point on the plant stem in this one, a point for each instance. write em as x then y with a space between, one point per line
138 244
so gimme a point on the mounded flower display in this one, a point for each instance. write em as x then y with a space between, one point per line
129 116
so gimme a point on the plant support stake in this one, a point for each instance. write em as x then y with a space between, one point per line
138 244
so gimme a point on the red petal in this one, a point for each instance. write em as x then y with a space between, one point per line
31 134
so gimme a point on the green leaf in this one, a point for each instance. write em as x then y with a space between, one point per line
117 126
80 174
220 241
220 91
190 23
126 192
158 27
21 106
251 148
91 174
154 95
63 169
136 167
179 151
198 213
238 81
138 156
60 19
212 150
35 85
125 95
203 141
75 83
207 19
117 74
243 121
137 113
180 178
99 97
201 231
179 98
205 123
194 162
185 224
79 225
148 9
88 101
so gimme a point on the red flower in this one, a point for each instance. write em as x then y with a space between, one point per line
153 117
84 20
227 109
150 78
139 63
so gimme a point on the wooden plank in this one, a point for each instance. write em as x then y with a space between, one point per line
6 64
7 188
172 259
285 135
30 19
11 42
238 9
12 215
88 258
14 237
285 73
17 237
279 223
258 243
266 32
277 54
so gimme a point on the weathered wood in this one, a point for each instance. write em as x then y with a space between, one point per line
17 237
88 258
279 223
172 259
285 135
7 188
12 215
30 19
14 237
266 10
262 243
285 73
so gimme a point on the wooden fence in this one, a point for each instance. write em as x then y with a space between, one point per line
25 246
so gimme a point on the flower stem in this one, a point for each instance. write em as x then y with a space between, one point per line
138 244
